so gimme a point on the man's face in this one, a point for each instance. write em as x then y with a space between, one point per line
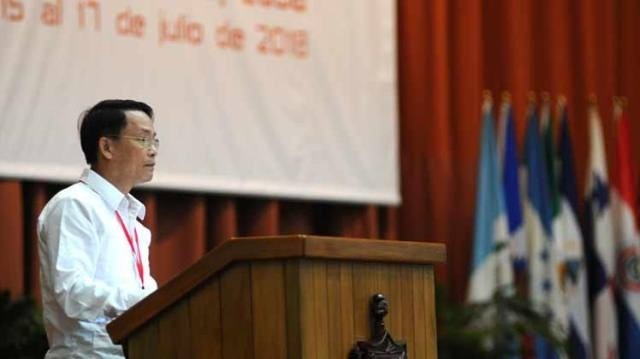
134 158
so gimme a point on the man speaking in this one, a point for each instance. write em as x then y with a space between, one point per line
94 253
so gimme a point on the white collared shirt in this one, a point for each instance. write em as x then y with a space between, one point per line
88 271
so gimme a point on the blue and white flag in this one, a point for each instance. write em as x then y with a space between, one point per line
543 276
556 297
491 264
601 244
569 237
511 186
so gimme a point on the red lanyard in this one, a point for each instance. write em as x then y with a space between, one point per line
135 250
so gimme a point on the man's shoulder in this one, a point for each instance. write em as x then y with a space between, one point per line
77 195
78 191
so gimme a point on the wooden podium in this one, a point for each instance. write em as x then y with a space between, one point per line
287 297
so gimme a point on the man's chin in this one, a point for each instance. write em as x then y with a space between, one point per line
146 178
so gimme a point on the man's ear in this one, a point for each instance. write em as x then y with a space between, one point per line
105 148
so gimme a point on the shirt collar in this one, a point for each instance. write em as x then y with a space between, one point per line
110 194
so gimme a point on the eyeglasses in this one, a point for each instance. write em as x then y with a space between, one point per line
146 142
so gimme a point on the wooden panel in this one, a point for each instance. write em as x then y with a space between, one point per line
268 304
430 312
314 309
206 325
394 323
144 344
406 330
407 289
364 286
215 261
349 288
374 250
293 322
346 318
321 312
334 308
221 221
380 274
340 308
12 238
237 338
271 248
419 316
174 332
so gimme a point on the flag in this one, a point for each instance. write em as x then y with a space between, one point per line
601 245
542 276
491 265
628 245
569 237
511 186
556 296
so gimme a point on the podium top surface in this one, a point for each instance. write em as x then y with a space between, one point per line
272 247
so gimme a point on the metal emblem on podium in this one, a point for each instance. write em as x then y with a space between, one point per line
381 345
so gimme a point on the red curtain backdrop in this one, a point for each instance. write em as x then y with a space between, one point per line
448 52
451 50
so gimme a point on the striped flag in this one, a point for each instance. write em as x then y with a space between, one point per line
569 237
491 266
601 245
628 244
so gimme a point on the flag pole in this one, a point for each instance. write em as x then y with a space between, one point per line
561 103
506 97
593 100
487 97
545 110
617 108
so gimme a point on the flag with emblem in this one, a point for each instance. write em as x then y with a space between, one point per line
628 243
537 211
570 240
600 245
491 264
555 297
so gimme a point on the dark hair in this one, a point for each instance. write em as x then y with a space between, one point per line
106 118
